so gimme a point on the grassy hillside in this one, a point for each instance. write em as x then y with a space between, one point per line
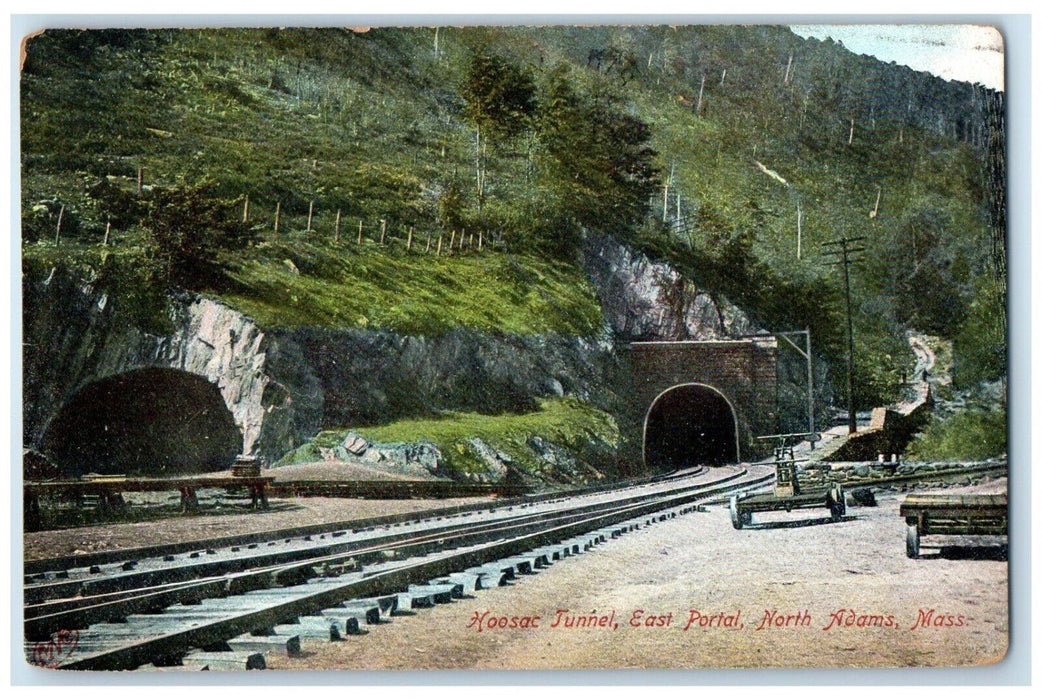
706 146
584 431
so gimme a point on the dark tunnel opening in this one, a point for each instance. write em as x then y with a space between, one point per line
687 426
150 422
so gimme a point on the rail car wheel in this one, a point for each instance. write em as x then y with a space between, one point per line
837 501
912 541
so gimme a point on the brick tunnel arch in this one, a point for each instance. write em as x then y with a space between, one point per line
689 425
147 422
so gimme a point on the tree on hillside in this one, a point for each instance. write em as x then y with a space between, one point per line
191 225
500 103
500 95
597 163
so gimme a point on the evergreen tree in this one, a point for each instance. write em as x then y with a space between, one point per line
597 162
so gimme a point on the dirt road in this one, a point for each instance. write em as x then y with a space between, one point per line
798 592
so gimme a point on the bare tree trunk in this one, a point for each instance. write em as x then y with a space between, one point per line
58 228
799 230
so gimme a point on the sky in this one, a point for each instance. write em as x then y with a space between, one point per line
953 51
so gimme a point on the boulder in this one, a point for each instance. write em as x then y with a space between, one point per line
863 497
353 445
496 462
415 458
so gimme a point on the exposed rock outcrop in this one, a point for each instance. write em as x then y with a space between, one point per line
283 385
75 335
646 300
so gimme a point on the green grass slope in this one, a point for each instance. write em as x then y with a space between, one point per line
760 146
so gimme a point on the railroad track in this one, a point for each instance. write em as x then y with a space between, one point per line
811 479
221 607
224 604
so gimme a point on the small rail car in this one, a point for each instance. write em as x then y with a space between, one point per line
788 494
952 514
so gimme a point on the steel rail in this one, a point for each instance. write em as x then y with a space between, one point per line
71 613
360 584
160 572
39 566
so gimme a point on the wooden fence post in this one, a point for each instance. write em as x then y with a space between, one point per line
452 240
408 244
428 248
439 245
383 230
311 211
336 228
479 240
359 232
108 227
140 179
278 211
246 210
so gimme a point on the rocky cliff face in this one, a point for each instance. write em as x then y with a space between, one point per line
282 386
75 335
646 300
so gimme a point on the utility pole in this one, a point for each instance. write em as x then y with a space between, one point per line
842 249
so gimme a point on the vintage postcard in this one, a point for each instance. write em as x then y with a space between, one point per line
515 347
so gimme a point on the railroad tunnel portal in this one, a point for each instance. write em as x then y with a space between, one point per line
146 422
690 425
698 402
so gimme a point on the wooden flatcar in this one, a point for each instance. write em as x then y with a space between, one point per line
788 494
952 514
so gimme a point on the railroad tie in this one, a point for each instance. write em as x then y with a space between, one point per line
388 603
491 576
369 613
333 628
540 558
349 620
183 668
226 660
306 632
469 582
440 594
522 565
551 554
411 601
283 644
